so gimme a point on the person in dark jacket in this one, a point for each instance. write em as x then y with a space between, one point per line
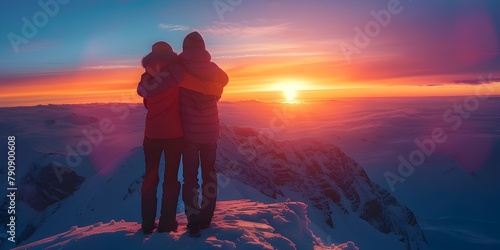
200 121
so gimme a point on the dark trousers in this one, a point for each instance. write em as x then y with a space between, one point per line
192 155
153 148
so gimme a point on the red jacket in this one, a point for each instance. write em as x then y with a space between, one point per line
163 120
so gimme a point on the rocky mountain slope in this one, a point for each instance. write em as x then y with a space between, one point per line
318 172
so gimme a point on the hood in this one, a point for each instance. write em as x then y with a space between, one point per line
161 46
167 57
196 60
193 49
193 40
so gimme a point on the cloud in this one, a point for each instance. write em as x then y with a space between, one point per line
39 45
245 29
482 79
263 38
233 29
109 67
173 27
478 81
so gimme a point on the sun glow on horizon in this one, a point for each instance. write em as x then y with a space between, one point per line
289 89
290 94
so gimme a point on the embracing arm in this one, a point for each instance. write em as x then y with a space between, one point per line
170 77
212 85
198 85
221 77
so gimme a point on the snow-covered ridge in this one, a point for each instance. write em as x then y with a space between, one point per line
238 224
321 174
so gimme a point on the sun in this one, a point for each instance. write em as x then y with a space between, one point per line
290 90
290 94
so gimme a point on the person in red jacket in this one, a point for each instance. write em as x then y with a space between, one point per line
163 134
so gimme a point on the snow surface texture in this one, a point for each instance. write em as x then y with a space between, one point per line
238 224
455 209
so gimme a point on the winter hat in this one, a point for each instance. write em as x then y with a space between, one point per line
161 47
193 40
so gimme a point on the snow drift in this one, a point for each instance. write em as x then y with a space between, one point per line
239 224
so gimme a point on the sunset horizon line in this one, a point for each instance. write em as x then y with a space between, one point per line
265 101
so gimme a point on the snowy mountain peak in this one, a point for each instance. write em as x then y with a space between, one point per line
315 171
44 186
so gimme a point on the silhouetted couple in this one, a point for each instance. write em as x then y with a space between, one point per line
180 93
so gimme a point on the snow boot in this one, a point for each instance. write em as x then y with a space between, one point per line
205 223
194 229
148 211
170 197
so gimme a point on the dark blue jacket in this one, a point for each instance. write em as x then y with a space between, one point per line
199 112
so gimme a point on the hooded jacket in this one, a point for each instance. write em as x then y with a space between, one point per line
163 119
199 112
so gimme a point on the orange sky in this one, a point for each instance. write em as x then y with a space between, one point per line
266 82
92 53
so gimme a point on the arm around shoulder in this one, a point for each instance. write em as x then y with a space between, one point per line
203 86
170 77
